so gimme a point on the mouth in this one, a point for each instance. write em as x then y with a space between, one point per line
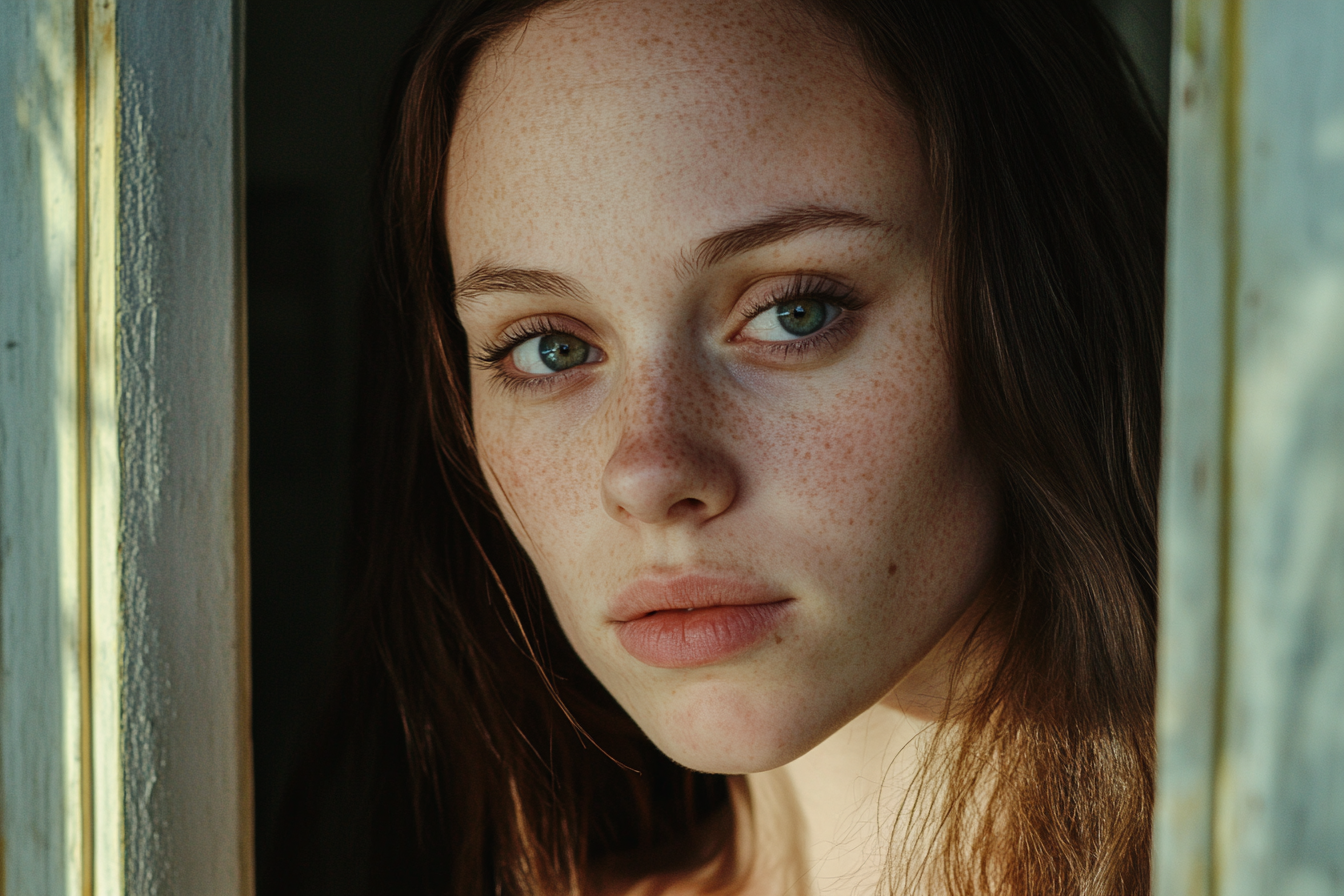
689 621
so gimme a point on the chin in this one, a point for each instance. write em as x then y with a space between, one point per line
729 729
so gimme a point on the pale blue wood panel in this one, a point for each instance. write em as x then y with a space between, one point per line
39 451
1251 700
1191 569
1280 786
123 613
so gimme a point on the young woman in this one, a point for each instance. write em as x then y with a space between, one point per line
763 439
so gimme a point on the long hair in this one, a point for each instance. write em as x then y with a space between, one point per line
496 764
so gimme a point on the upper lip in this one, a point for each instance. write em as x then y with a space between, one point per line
693 591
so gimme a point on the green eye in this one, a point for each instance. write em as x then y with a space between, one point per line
791 320
560 351
551 353
802 317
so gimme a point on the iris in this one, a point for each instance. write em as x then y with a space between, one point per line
801 317
561 351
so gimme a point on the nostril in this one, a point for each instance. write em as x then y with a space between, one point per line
687 507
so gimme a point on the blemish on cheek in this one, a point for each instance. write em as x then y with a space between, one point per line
891 569
778 639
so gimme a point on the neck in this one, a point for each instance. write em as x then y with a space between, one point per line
824 824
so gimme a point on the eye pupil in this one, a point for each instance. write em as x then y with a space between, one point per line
560 351
801 317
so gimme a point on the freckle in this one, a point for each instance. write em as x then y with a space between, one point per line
891 570
778 639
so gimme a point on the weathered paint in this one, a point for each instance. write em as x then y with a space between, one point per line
106 847
1251 778
1280 778
184 722
123 701
40 532
1193 525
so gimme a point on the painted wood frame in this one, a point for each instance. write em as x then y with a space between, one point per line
124 756
124 738
1251 660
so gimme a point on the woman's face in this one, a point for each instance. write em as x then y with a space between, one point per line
693 249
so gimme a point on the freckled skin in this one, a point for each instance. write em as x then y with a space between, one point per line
604 142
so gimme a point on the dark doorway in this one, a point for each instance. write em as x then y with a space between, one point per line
316 72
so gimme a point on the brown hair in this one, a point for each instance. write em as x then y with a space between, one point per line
500 765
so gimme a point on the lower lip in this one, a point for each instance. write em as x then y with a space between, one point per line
683 639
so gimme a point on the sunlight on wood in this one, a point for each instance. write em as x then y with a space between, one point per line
123 704
40 531
1251 737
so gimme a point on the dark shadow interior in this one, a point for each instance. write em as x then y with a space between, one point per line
316 71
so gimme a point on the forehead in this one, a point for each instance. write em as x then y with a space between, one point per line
622 119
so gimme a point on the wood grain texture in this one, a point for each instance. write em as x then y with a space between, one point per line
1192 507
1251 702
1280 784
106 850
40 531
124 749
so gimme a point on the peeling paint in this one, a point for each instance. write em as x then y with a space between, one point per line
177 320
151 536
145 677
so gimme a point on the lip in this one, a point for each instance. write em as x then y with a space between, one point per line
694 620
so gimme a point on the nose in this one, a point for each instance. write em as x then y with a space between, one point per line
666 467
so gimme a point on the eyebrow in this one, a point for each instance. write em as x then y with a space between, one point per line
776 227
488 278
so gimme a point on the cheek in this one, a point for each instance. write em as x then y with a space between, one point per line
872 491
542 469
877 453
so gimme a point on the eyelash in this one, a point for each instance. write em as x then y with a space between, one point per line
808 287
491 357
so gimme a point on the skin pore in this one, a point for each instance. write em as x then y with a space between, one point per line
693 245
